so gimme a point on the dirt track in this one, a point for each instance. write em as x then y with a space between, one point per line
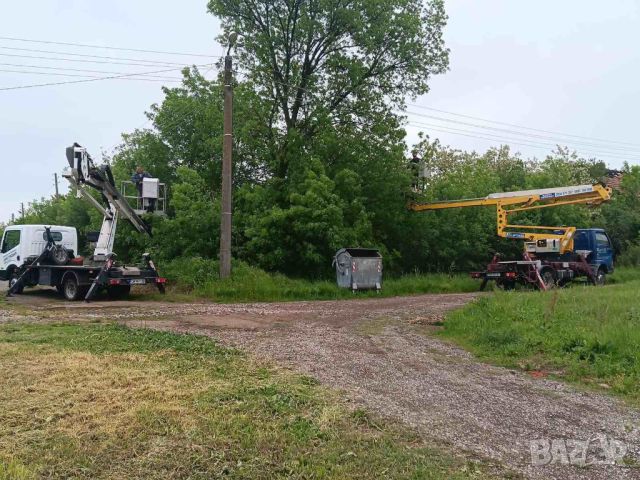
382 355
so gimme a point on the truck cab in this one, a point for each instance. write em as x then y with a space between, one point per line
595 244
20 242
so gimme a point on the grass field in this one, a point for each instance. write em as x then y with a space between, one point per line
583 334
100 401
198 278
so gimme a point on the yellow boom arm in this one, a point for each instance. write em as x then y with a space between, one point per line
525 200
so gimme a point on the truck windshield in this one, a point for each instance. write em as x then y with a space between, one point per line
602 240
55 236
11 240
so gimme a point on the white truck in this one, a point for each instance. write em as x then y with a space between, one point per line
33 255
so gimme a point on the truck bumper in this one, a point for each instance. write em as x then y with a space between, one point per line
497 276
136 281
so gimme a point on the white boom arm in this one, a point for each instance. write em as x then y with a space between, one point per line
84 173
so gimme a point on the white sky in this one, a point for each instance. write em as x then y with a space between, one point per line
569 67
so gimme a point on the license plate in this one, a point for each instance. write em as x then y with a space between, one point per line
137 281
494 275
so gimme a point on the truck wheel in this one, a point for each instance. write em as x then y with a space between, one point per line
118 292
601 277
506 285
548 278
59 255
12 281
70 288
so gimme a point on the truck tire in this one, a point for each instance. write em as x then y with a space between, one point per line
118 292
59 255
12 281
506 285
71 290
601 277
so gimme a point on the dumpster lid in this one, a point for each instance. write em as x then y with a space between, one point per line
361 252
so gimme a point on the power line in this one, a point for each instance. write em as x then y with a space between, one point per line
470 134
39 57
82 70
503 140
522 126
19 87
612 149
525 134
69 44
84 76
532 143
35 50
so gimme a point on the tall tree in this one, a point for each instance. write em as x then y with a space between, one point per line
337 62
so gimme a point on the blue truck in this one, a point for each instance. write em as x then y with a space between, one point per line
552 255
591 258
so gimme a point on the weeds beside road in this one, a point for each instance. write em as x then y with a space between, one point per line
196 278
581 334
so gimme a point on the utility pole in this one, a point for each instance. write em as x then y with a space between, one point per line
22 209
227 166
55 176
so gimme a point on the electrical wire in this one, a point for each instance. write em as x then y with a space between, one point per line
82 70
609 151
40 57
34 50
521 126
113 60
612 149
83 76
508 141
525 134
70 44
19 87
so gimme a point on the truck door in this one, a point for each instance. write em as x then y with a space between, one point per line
604 252
9 254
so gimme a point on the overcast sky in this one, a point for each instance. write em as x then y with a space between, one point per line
567 67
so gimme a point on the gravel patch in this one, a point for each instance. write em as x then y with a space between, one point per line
381 355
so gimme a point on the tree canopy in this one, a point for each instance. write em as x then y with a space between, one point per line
320 154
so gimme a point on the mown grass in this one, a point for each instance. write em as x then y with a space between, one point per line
198 278
101 401
583 334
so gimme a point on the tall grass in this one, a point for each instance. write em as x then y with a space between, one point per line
103 401
630 257
197 277
585 334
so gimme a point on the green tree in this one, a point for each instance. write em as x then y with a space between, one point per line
621 216
327 77
335 62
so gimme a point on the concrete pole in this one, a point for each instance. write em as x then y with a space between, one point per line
55 176
227 150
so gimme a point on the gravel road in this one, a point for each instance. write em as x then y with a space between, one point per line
382 354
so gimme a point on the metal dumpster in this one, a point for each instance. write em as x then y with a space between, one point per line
358 268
